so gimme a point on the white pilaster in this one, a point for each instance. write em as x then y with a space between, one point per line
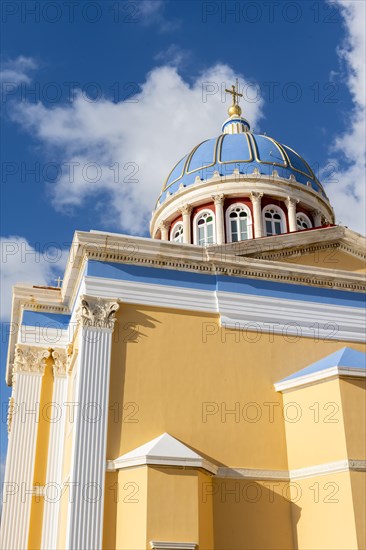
256 199
186 211
291 212
29 365
55 452
220 224
85 518
164 230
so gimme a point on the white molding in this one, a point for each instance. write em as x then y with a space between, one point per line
280 211
298 473
322 375
260 474
164 545
252 473
44 336
228 211
290 318
261 314
121 464
195 226
184 298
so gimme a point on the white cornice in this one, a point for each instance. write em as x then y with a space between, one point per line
315 377
298 473
338 466
165 545
224 260
201 463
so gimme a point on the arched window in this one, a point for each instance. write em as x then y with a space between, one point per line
205 228
274 220
303 222
176 234
238 223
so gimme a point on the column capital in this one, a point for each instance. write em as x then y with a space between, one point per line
218 199
97 313
290 201
186 209
255 196
164 225
61 360
30 359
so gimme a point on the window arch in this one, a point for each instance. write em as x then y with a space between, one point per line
274 220
176 234
204 228
238 223
303 221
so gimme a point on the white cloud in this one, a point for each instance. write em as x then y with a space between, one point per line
16 71
174 55
348 192
22 263
152 13
144 137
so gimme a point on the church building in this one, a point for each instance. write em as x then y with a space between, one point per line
204 388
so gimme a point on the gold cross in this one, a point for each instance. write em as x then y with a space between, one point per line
234 92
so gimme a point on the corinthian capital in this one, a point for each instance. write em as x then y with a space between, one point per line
30 359
290 201
218 199
255 196
60 359
185 209
164 225
97 312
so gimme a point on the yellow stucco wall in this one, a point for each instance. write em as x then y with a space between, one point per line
314 416
354 414
40 465
331 258
250 514
324 518
131 517
179 372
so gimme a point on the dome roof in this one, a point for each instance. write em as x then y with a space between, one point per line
243 151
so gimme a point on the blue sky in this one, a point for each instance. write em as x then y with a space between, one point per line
100 99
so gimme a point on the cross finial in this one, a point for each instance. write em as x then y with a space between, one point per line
234 92
58 281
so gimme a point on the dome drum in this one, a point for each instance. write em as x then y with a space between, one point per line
273 190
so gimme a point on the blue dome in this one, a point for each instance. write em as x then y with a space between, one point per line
244 151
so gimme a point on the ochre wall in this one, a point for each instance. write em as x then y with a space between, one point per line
324 517
40 465
331 258
179 372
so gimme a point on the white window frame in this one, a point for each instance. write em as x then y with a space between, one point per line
306 218
228 221
195 226
280 212
173 230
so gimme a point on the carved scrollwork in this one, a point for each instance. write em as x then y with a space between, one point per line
60 359
98 313
186 209
30 359
218 199
255 197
